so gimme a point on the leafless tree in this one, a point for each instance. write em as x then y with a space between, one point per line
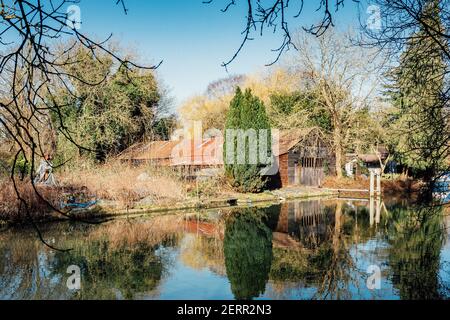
344 79
225 86
274 15
30 66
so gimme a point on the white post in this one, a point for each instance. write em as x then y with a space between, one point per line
379 184
372 183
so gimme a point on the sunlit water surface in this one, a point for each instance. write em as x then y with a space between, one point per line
319 249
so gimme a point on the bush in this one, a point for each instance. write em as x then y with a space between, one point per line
11 209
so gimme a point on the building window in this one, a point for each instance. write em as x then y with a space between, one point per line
312 162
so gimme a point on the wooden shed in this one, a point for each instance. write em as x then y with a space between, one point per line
304 158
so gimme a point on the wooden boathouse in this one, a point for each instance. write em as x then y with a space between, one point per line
303 156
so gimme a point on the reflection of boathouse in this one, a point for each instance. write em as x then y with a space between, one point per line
309 222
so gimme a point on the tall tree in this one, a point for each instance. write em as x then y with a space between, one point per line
343 79
247 144
111 116
417 88
297 109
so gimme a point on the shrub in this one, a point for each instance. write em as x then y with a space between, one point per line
11 209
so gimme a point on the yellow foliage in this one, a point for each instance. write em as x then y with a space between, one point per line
212 111
276 81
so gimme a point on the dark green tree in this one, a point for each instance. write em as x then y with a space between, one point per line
247 144
164 127
108 118
417 91
299 102
416 238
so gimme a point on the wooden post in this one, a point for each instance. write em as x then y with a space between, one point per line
379 184
372 183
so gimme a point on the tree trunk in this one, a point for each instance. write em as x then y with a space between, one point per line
338 150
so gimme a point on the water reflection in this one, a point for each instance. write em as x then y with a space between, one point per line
248 251
117 261
416 239
317 249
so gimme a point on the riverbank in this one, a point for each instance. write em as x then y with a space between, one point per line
122 190
106 209
111 208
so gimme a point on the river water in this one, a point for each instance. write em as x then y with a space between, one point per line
317 249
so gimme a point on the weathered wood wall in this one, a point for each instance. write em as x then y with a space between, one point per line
284 167
294 172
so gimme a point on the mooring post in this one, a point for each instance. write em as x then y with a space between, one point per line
379 184
372 183
378 211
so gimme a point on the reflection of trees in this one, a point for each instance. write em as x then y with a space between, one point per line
323 258
204 252
108 270
289 264
248 252
25 264
117 260
120 259
416 238
334 263
24 269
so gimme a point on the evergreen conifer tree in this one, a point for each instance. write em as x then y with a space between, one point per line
247 118
416 91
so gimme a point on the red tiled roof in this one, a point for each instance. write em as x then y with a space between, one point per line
208 152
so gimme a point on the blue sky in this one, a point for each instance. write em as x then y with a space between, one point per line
192 38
